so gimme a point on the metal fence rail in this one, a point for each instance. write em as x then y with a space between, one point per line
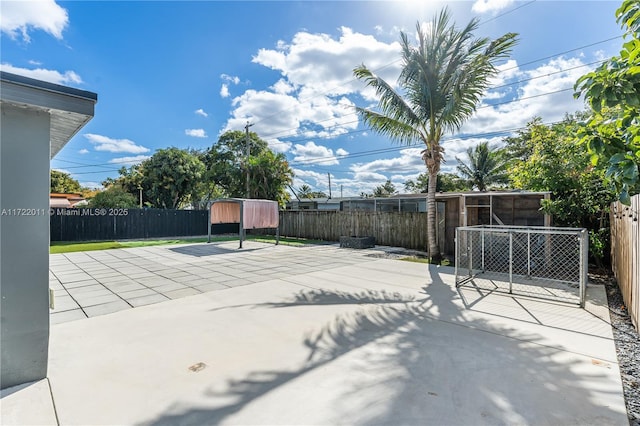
543 262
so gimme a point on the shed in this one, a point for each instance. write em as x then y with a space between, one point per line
249 213
453 209
516 208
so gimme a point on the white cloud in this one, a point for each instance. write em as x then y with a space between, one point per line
224 91
323 65
316 180
83 151
19 17
370 177
410 160
279 146
227 79
129 161
104 143
484 6
316 154
91 185
457 147
309 100
201 112
282 86
230 79
533 97
52 76
196 133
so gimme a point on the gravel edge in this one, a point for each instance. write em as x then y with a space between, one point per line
627 342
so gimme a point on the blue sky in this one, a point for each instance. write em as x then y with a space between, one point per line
176 73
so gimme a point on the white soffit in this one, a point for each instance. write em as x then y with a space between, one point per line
70 109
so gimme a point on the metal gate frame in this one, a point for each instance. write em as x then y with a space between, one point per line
531 249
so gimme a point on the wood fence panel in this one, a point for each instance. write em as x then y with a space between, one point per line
406 229
625 254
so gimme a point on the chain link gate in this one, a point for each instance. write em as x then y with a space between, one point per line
544 262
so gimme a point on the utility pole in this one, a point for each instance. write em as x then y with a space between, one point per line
329 174
246 128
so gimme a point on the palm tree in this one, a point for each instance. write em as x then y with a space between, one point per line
304 191
441 83
485 167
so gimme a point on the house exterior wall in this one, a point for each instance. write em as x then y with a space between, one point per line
24 244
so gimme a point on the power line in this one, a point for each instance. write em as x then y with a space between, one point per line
561 53
377 70
414 145
297 130
506 13
104 165
492 88
524 80
351 80
324 159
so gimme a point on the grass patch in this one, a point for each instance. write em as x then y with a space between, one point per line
57 247
66 247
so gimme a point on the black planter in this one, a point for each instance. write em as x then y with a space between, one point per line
357 242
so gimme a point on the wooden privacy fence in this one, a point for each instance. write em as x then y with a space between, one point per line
122 224
406 229
625 254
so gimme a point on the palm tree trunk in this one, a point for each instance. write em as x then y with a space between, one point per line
432 241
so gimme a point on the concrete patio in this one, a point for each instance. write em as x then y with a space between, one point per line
209 334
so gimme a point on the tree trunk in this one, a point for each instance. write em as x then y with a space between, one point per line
434 248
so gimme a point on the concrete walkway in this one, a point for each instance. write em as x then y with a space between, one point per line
319 335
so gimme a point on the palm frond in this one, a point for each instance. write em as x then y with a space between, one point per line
397 130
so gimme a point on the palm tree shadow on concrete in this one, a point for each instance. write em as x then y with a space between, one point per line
417 361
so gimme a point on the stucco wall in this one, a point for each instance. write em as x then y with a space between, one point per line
24 248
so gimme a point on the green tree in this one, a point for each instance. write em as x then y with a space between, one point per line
170 176
486 167
317 194
63 183
304 191
558 163
451 182
612 133
227 166
441 83
445 182
131 180
386 190
113 197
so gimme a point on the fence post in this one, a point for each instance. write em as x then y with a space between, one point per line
482 238
457 250
584 262
528 253
510 262
209 222
469 245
